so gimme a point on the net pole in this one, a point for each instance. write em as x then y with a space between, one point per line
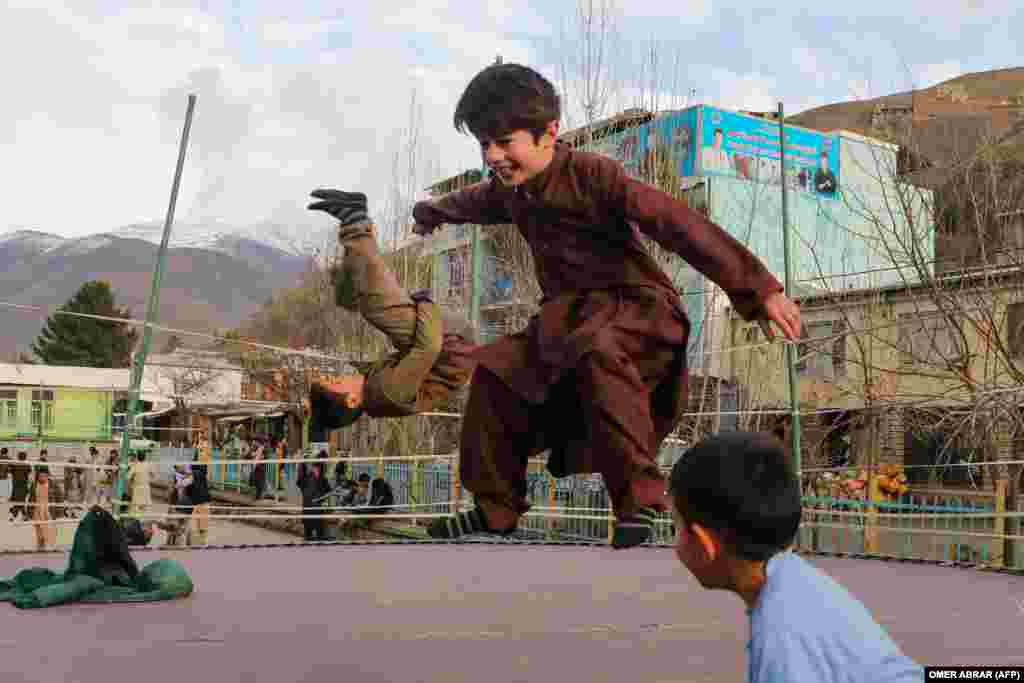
152 308
791 350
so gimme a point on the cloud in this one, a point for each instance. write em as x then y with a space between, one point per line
102 116
290 99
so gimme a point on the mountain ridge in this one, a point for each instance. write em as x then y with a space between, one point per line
202 289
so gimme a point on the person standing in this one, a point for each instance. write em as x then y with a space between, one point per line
20 474
4 470
139 482
74 490
314 487
45 494
91 476
199 491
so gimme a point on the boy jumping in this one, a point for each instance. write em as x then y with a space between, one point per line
736 508
433 344
599 376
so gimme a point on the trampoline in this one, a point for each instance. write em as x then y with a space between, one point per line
475 612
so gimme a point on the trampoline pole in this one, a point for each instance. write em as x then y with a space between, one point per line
794 394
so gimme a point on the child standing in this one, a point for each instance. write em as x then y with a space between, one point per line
41 508
20 475
736 507
314 488
599 376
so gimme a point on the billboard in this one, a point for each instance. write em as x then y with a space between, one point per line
669 140
747 147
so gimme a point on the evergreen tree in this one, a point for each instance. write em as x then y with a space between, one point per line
87 342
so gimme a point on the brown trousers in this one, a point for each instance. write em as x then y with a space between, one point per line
414 328
501 431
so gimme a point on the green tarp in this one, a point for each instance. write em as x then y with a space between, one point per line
100 570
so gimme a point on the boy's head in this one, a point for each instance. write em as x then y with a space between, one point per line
513 112
735 499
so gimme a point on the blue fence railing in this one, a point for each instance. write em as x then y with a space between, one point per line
945 526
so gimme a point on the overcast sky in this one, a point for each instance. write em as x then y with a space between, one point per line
292 99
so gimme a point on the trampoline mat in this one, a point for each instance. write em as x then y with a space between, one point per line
453 613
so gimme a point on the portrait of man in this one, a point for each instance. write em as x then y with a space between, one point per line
824 180
715 159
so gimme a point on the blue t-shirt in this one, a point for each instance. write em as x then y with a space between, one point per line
806 627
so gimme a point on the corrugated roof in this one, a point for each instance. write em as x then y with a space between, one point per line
64 376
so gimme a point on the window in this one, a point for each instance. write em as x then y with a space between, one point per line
927 338
939 458
9 408
821 354
456 273
42 408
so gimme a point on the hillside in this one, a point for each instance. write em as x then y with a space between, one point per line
202 289
943 121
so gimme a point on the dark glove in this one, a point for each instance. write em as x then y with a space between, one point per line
348 207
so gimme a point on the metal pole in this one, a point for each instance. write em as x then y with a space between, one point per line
152 308
791 350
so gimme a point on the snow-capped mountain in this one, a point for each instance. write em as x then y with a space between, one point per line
215 281
32 239
222 236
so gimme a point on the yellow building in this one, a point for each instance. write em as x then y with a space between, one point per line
900 370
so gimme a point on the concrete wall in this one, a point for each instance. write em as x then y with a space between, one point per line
78 414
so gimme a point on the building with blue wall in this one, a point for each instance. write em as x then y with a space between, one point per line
851 224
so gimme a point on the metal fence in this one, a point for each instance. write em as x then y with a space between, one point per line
967 526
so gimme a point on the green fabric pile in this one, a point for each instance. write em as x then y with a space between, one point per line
100 570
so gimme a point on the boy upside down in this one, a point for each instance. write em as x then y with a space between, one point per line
599 376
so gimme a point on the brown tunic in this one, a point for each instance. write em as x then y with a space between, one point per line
600 286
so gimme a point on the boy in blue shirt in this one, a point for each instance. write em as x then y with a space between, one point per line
736 508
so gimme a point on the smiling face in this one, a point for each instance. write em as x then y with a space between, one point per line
516 157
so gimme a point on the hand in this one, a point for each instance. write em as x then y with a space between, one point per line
348 207
784 313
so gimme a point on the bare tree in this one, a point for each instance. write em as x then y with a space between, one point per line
590 53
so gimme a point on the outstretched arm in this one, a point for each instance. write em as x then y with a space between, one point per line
754 292
479 204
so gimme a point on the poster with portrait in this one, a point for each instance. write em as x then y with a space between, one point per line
748 147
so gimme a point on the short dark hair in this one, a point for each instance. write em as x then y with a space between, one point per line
741 485
504 98
364 477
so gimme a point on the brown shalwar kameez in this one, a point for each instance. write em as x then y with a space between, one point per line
599 375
